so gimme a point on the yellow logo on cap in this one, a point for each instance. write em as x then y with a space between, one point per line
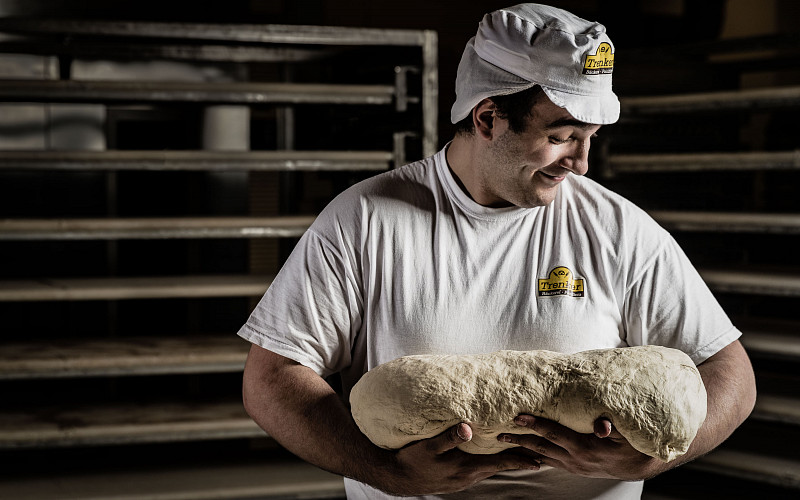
601 63
561 282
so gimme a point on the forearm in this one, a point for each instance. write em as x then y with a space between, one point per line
303 413
730 384
296 407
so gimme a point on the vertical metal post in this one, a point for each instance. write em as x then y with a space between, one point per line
285 141
287 194
430 93
401 89
399 157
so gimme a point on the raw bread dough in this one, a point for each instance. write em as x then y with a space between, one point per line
653 395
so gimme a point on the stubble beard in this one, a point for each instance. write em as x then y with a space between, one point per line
505 177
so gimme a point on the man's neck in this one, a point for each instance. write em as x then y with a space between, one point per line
459 157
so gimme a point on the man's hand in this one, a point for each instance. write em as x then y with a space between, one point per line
603 454
435 466
303 413
731 389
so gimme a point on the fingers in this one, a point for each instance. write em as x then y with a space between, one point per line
551 431
482 465
553 440
557 433
543 448
450 438
500 462
602 453
603 428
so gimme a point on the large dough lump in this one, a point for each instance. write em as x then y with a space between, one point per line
653 395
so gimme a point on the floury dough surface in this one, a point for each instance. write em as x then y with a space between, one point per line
653 395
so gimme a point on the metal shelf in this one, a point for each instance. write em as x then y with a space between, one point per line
153 228
125 424
762 468
122 357
773 342
777 409
243 42
178 52
161 287
752 283
197 160
263 479
698 162
202 92
239 33
712 101
728 222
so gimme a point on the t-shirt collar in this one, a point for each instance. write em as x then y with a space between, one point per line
464 201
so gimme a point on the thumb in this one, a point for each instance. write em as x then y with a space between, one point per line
452 437
602 427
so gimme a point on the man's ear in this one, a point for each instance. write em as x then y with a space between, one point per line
483 118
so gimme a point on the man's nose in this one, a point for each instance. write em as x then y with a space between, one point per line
577 158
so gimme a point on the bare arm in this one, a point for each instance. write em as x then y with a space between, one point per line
301 411
730 384
731 387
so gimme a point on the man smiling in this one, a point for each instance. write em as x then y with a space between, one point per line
520 166
496 242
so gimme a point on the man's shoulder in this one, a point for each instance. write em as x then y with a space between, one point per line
417 175
602 210
412 183
410 188
588 195
589 190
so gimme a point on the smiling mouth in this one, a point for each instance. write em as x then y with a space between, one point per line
554 178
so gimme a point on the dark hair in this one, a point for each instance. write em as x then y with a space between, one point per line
515 108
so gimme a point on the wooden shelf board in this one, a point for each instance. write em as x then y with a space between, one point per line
128 356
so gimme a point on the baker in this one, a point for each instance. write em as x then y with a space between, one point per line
495 242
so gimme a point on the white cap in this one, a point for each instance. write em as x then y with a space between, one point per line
530 44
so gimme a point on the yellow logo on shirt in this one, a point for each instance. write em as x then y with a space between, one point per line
561 282
601 63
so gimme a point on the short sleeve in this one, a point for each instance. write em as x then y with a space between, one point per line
668 303
312 311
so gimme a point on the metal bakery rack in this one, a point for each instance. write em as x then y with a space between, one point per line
152 178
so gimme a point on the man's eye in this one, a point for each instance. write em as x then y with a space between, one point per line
556 140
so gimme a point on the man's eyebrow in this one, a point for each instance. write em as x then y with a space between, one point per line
568 122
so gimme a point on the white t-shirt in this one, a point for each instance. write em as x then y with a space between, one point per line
406 263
